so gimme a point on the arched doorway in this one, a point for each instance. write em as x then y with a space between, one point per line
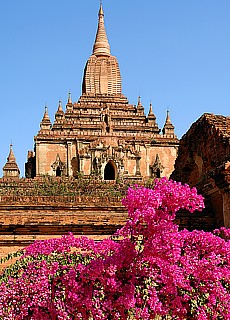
158 173
110 171
58 172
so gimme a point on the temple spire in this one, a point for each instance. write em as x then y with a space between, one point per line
10 169
140 108
45 123
139 101
102 73
46 116
69 105
151 109
11 157
168 120
151 115
60 113
168 129
60 106
152 120
101 45
69 98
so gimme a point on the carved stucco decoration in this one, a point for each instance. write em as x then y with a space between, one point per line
156 169
59 164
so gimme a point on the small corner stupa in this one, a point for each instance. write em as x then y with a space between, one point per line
10 169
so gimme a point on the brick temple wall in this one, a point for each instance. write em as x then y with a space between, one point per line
24 219
38 209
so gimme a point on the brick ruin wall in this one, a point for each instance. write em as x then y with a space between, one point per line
204 162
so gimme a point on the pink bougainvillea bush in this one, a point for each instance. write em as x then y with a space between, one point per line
153 271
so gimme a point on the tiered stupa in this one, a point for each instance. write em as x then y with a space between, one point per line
10 169
102 133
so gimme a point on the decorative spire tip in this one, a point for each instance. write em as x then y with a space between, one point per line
101 44
69 97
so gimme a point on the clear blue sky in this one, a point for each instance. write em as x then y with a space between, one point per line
175 53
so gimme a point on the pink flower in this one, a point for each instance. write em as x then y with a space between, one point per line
154 270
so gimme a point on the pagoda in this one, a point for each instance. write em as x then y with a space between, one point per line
102 133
